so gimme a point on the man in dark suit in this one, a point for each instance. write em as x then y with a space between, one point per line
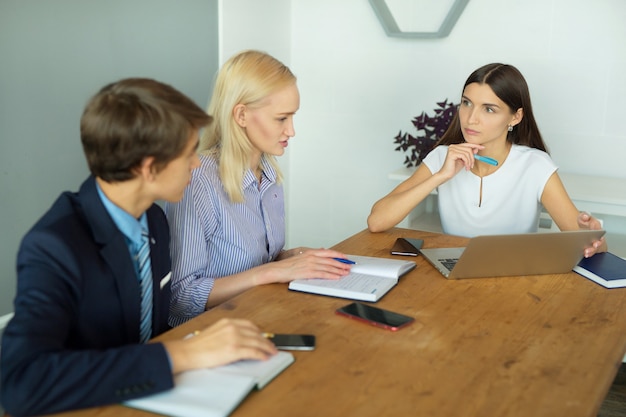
87 299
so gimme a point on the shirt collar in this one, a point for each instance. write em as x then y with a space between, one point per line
130 227
267 171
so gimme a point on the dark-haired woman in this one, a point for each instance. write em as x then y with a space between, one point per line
491 168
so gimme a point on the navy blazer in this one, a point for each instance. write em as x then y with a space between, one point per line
74 339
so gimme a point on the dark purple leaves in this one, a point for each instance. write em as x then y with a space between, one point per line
429 130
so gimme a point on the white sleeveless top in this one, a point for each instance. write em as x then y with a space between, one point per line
511 196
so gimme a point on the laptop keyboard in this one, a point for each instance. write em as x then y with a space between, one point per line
448 263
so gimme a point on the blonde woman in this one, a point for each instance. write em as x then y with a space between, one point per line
228 231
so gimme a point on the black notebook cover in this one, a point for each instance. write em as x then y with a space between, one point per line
604 268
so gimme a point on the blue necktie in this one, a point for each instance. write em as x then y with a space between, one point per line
145 283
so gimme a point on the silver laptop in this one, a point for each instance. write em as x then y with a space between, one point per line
512 255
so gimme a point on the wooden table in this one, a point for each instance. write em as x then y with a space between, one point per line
522 346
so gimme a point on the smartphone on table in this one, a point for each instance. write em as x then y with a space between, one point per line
407 246
292 341
375 316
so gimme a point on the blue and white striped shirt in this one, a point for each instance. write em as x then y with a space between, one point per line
211 237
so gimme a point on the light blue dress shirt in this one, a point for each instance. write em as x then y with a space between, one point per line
130 227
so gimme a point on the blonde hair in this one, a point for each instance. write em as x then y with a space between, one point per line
246 78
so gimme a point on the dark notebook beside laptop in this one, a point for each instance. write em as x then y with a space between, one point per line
604 268
513 255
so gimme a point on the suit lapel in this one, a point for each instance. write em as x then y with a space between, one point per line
115 253
159 267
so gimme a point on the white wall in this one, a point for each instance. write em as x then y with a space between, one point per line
360 87
255 24
264 25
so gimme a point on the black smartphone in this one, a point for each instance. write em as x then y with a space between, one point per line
375 316
293 341
407 246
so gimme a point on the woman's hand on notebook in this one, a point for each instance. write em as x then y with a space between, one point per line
303 264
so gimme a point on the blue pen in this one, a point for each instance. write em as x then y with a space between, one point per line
486 160
345 261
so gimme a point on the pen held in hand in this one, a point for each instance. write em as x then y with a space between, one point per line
345 261
190 335
486 160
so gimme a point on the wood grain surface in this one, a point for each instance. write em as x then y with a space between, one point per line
547 345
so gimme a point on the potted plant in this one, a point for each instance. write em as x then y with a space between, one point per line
429 130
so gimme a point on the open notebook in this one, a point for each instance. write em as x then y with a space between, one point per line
214 392
370 278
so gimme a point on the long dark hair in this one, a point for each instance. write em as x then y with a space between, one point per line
510 86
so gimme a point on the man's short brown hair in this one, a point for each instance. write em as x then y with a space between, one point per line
135 118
